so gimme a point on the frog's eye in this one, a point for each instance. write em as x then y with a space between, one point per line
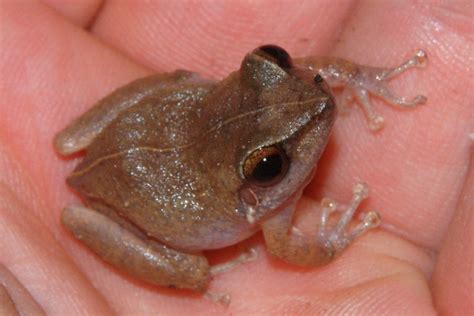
277 54
266 166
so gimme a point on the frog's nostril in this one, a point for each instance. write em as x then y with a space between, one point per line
318 79
278 54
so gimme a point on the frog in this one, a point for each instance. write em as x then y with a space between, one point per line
176 164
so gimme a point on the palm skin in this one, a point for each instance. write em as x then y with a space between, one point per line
57 59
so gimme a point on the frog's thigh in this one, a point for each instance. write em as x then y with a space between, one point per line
82 131
149 261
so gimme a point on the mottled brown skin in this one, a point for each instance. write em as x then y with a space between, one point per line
163 174
162 182
170 165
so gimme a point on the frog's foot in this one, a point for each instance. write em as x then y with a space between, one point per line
249 255
338 237
219 298
372 80
224 298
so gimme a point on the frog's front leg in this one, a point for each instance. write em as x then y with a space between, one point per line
287 243
359 81
150 261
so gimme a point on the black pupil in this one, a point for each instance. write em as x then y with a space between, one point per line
268 168
283 59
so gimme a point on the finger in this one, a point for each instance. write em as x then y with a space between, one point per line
75 109
377 274
30 250
7 306
452 278
212 37
146 38
14 297
414 165
81 13
48 85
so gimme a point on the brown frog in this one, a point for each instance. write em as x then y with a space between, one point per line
176 164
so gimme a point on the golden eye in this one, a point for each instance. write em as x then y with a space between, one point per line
266 166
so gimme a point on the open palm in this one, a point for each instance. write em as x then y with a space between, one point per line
57 60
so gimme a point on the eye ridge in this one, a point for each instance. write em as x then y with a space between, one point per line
266 166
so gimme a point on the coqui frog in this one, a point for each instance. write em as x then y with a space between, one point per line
176 164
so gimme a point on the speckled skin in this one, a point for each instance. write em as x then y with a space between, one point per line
162 175
173 167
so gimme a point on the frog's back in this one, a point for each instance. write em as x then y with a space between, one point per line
150 166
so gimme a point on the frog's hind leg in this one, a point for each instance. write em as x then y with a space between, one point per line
149 261
82 131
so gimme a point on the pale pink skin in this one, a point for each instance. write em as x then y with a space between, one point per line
417 166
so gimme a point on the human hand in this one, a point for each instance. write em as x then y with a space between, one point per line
418 167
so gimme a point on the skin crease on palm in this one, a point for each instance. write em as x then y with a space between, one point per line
57 58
